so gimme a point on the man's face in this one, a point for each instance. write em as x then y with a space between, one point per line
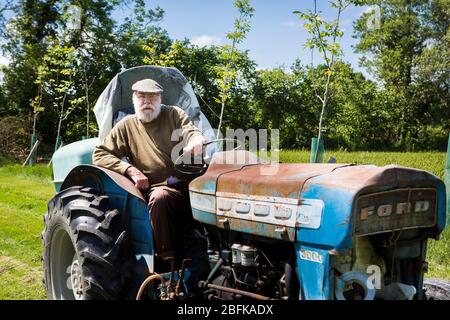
147 106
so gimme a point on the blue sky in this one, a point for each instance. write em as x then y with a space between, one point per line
277 35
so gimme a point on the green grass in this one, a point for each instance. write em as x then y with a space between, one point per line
429 161
24 193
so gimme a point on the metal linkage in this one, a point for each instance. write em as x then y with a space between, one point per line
204 284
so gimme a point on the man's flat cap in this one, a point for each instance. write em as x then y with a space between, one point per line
147 86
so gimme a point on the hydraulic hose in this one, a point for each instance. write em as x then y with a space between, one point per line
146 282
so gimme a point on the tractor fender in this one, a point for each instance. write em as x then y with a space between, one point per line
92 176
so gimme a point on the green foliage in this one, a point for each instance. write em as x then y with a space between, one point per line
139 34
324 37
198 66
56 80
227 72
14 140
323 34
362 116
175 55
24 43
409 55
281 102
100 48
5 6
3 101
406 107
430 137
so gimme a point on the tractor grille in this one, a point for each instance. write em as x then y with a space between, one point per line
395 210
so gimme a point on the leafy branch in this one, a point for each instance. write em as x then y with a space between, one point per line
227 72
324 37
56 79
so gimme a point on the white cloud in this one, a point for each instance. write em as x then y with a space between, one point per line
292 24
206 40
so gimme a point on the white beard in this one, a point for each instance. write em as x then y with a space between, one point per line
147 115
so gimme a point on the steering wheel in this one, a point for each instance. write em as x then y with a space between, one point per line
198 165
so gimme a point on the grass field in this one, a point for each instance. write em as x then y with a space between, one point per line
23 200
24 193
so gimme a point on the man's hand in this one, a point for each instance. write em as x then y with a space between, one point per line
195 145
139 179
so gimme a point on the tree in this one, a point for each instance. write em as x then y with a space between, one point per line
432 77
5 6
102 48
409 56
227 72
24 44
2 102
363 117
140 32
198 65
324 37
56 80
277 101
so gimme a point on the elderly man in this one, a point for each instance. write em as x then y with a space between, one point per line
145 138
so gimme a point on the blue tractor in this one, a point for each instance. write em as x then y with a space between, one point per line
304 231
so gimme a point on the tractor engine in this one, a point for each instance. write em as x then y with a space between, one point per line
250 268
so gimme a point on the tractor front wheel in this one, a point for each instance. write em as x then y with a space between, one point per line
83 240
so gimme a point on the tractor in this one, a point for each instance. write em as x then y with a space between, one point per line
308 231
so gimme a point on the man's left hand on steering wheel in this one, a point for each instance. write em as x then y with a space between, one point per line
195 146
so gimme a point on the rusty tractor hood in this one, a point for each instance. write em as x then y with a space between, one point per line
309 202
252 176
265 180
288 180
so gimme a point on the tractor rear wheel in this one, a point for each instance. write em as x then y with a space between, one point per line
83 240
436 289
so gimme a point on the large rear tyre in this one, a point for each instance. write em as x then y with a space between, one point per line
84 243
436 289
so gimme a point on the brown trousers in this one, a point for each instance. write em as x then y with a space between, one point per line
169 209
